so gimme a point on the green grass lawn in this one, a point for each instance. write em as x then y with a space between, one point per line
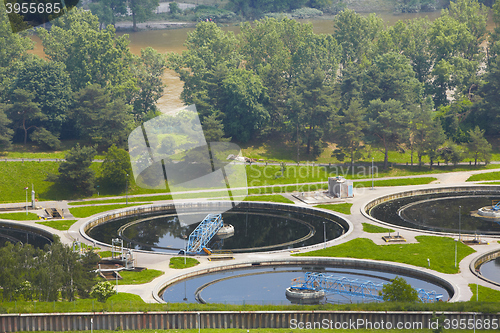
122 200
58 224
344 208
373 229
19 216
178 262
271 198
104 254
485 176
81 212
145 276
440 251
395 182
485 294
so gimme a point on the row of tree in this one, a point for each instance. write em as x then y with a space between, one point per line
90 87
417 85
46 274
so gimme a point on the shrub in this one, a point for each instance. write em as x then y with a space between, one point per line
102 291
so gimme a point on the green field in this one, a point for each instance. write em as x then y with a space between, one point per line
270 198
440 251
485 294
145 276
485 176
178 262
19 216
344 208
367 227
87 211
58 224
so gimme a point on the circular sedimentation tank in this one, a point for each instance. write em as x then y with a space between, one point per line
254 227
451 211
269 285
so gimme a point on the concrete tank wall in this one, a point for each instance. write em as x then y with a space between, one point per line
227 319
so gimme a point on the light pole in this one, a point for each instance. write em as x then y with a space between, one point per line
26 188
372 172
460 223
324 233
199 323
126 192
185 248
91 325
456 241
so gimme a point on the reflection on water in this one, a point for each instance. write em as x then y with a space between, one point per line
491 270
253 230
12 235
269 288
440 214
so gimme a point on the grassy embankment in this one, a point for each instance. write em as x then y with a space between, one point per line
485 176
373 229
178 262
440 251
19 216
58 224
344 208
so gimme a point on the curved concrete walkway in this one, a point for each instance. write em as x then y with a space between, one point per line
362 196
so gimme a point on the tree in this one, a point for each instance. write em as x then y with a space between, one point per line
242 94
14 48
174 8
99 119
5 131
24 111
45 139
399 291
50 84
478 146
142 10
116 168
426 132
75 171
355 34
102 291
149 69
91 55
388 124
391 77
213 129
349 134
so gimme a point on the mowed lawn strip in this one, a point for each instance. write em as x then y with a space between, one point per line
178 262
58 224
485 294
144 276
19 216
344 208
440 251
81 212
374 229
270 198
485 176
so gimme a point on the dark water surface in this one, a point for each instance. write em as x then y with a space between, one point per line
254 230
14 235
439 212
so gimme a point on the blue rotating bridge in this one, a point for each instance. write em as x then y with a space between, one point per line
353 287
204 232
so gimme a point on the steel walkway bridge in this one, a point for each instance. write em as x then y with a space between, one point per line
353 287
204 232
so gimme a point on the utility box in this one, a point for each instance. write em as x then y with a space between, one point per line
339 187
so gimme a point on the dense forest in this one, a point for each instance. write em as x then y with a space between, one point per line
422 86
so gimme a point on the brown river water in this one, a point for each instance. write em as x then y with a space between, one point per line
173 40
